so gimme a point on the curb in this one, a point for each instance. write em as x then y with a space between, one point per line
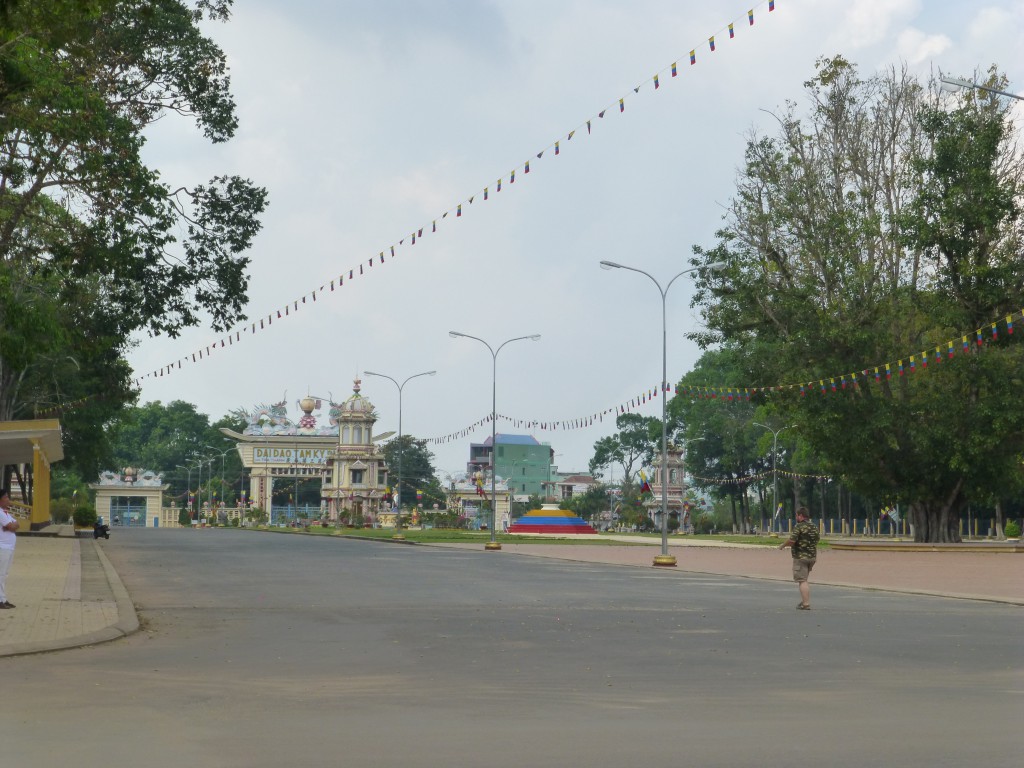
127 621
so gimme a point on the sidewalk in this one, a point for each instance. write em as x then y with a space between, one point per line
67 595
993 576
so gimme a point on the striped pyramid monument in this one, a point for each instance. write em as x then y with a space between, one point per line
550 519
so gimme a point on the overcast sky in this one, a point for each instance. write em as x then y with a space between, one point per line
369 120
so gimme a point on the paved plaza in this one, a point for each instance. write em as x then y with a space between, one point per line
251 650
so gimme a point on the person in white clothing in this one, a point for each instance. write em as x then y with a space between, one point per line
8 526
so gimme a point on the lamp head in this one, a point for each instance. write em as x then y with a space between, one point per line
954 84
455 334
370 373
610 265
534 337
717 266
431 373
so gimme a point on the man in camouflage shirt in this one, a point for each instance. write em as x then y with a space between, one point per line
803 542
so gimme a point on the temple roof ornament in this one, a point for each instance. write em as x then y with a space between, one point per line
131 478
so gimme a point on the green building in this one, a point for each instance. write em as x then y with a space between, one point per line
521 460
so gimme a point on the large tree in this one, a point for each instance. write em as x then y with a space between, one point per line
632 448
881 224
94 246
417 470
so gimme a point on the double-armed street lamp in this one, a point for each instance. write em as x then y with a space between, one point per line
222 454
209 484
664 559
775 474
398 515
188 491
493 543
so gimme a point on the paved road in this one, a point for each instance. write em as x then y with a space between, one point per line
268 650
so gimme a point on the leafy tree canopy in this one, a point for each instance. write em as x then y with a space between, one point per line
94 245
417 468
881 223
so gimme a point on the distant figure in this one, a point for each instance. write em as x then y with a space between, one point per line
803 542
8 538
100 529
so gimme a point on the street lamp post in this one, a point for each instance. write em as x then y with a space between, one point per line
493 543
188 491
398 515
209 483
775 474
222 455
664 559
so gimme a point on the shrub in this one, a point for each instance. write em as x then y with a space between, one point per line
1012 529
85 516
61 510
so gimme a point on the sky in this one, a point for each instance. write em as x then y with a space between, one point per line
369 121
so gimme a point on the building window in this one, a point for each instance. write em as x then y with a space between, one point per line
501 452
344 435
672 476
357 475
357 435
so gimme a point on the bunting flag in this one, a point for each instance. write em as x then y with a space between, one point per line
267 320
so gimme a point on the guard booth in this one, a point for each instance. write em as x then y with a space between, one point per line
36 443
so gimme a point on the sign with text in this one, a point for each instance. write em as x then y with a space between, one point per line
268 455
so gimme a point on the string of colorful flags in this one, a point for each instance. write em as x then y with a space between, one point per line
905 366
968 344
909 364
366 266
747 479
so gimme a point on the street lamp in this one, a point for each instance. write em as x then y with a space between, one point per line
188 491
209 482
398 515
775 475
957 84
664 559
222 455
493 543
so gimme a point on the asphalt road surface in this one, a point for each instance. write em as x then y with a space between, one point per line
279 650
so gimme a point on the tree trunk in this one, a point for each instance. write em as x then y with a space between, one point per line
732 498
938 522
999 521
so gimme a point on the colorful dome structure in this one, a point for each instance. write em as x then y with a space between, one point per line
550 519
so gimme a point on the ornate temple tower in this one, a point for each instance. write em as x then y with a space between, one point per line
676 486
355 475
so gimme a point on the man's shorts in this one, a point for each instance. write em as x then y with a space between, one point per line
802 568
